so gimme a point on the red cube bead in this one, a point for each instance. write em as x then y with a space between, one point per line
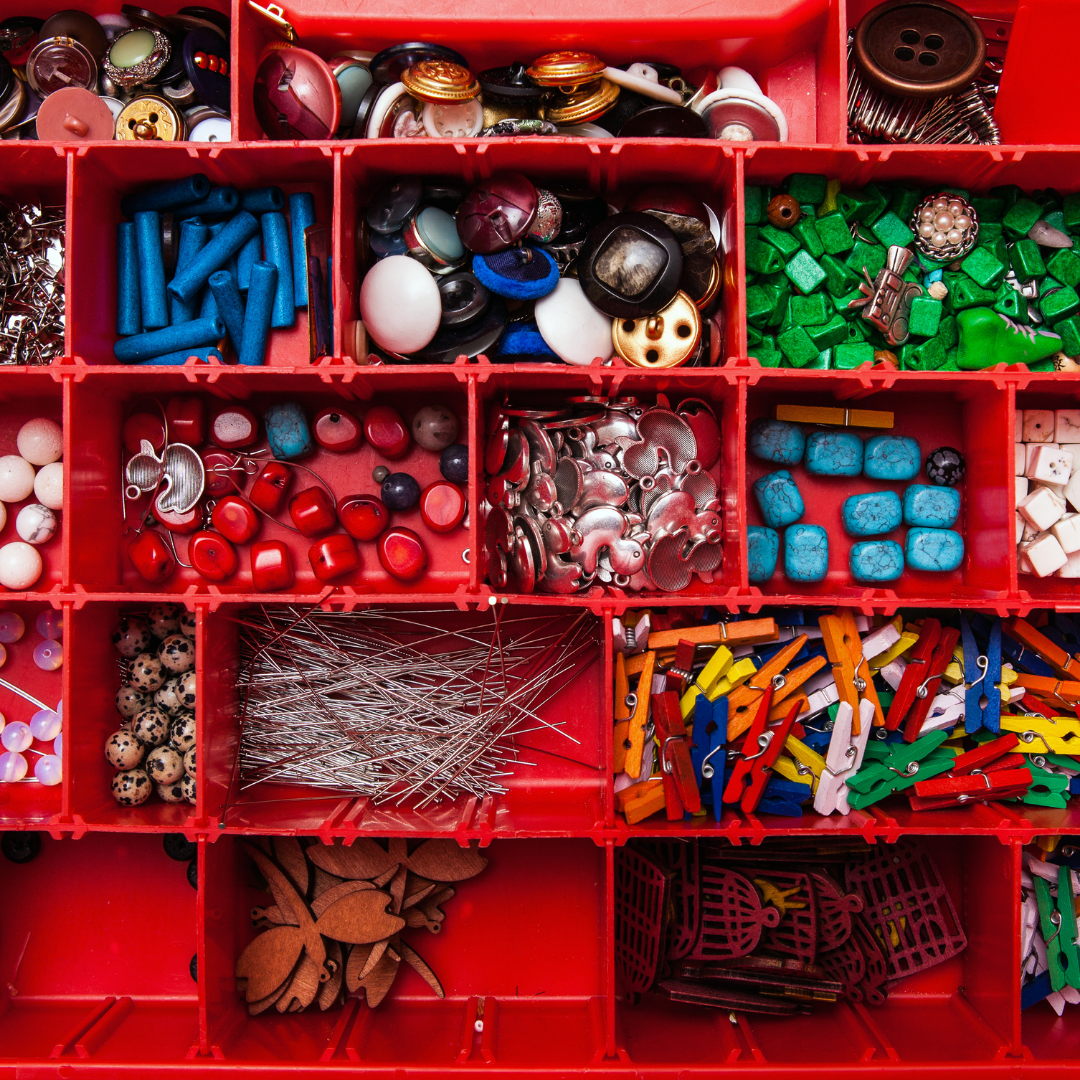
271 487
402 554
442 506
363 516
234 426
271 566
333 556
212 556
312 511
151 557
386 432
186 415
235 518
337 430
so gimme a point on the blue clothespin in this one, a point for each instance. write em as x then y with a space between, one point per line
982 673
710 738
783 798
1035 991
1070 631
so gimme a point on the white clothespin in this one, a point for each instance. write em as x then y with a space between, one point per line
844 757
630 639
945 711
894 672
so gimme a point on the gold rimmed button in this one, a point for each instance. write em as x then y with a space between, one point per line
566 69
440 80
664 340
581 106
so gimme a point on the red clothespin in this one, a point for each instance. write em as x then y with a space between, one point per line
1033 705
679 670
760 751
982 756
940 659
914 674
990 771
680 784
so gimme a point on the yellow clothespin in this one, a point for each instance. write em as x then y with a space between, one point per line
789 770
736 675
907 640
807 758
1044 735
716 667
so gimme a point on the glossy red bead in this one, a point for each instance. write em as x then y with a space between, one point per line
151 557
235 518
234 426
337 430
271 487
442 506
363 516
333 556
386 432
144 425
402 554
312 511
221 468
176 522
271 566
186 415
213 557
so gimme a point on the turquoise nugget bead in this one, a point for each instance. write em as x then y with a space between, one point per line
777 440
834 453
934 549
876 560
806 553
287 431
872 514
762 551
934 507
892 457
779 499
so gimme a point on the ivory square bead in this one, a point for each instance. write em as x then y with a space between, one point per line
1071 569
1020 525
1018 426
1030 532
1049 464
1021 489
1066 425
1072 490
1067 531
1020 457
1039 425
1023 563
1045 555
1042 508
1031 448
1074 449
1057 489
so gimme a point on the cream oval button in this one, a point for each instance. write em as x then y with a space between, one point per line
400 304
574 330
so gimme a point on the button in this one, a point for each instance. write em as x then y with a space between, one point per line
432 239
584 105
463 299
566 69
145 17
296 95
18 36
7 78
453 120
437 80
644 80
206 62
664 340
220 19
13 105
74 115
925 49
396 114
84 28
498 213
150 119
549 217
212 129
58 62
664 122
389 65
522 273
137 57
511 84
467 339
393 205
354 80
571 326
383 244
400 304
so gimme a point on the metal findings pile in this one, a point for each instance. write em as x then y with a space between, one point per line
922 73
780 928
602 491
519 272
338 916
32 312
840 712
396 705
1049 956
154 749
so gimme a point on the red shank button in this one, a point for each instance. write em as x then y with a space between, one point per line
387 432
271 566
312 511
271 487
442 506
234 427
363 516
402 554
337 430
235 519
212 556
333 556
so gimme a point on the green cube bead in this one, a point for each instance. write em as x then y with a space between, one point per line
1011 304
1064 264
947 332
759 304
781 239
768 357
1027 261
852 355
762 258
912 275
835 233
988 208
1059 304
806 187
890 230
1071 209
864 205
805 273
843 304
1069 329
1008 194
809 310
754 203
781 299
870 257
959 192
796 345
828 334
753 336
925 316
984 267
823 362
839 279
1021 216
929 356
1056 220
967 294
950 361
989 234
904 200
858 330
806 231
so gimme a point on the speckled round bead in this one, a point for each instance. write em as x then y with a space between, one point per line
131 788
187 785
169 696
171 793
177 653
189 761
123 750
945 466
187 624
164 619
435 427
164 765
131 701
152 726
187 693
182 736
131 637
147 672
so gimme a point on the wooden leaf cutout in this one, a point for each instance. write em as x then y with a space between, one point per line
302 988
354 969
428 913
446 860
330 991
374 957
321 880
377 984
270 916
411 957
364 859
289 855
397 889
268 961
422 894
324 900
255 1008
359 918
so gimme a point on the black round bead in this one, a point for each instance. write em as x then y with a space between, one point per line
400 491
179 847
454 463
21 847
945 466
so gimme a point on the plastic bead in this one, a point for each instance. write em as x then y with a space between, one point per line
41 441
50 624
874 561
58 746
402 554
234 427
177 653
20 566
442 506
49 486
174 520
386 432
400 491
333 556
186 415
363 516
150 556
271 566
16 478
13 768
379 473
235 519
46 724
779 499
213 557
287 431
49 655
783 211
131 788
36 524
123 750
337 430
945 466
49 770
219 466
164 619
164 765
12 626
400 304
777 440
762 552
271 487
16 737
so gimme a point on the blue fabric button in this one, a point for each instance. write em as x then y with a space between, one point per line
892 457
934 549
779 499
762 551
806 553
523 339
777 440
872 514
876 560
524 273
834 453
934 507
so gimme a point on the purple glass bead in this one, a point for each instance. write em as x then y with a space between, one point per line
48 655
454 463
400 491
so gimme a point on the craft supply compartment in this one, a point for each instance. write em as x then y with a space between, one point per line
548 779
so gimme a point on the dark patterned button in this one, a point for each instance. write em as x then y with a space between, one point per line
498 213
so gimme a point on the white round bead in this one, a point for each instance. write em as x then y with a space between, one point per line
49 486
400 304
574 330
41 441
36 524
16 478
12 768
49 770
45 725
58 745
20 566
16 737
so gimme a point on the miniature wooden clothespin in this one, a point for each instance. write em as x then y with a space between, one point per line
1058 923
843 759
990 771
847 656
918 663
639 718
746 632
742 701
1044 734
760 750
982 673
707 753
815 414
715 668
890 767
1066 666
640 800
680 785
926 691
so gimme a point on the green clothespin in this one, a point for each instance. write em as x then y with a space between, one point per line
1058 924
1047 788
889 767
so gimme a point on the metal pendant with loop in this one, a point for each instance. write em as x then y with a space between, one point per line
179 472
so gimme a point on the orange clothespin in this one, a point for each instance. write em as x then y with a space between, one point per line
621 713
636 731
641 800
680 785
864 681
924 694
743 699
1066 692
1068 667
914 674
744 632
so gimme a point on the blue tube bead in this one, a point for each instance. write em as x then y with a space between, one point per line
301 216
167 196
262 200
188 282
194 235
174 359
230 305
189 335
220 201
275 232
246 258
154 303
128 303
257 317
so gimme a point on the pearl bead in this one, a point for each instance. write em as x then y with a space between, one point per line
36 524
955 236
58 745
939 239
20 566
941 203
400 304
49 486
17 737
926 229
49 770
944 222
927 214
45 725
956 207
962 221
41 441
16 478
49 655
12 626
12 768
50 624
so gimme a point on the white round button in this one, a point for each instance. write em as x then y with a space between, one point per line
400 304
573 329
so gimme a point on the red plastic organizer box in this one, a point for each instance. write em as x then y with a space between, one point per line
97 934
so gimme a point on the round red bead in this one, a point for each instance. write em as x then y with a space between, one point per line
402 554
151 557
235 519
143 425
212 556
234 426
363 516
442 506
271 487
337 430
312 511
271 566
387 432
333 556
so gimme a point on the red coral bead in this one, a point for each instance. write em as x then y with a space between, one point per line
333 556
143 425
221 467
442 506
186 415
337 430
212 556
312 511
271 487
387 432
189 522
402 554
151 557
234 427
271 566
235 519
363 516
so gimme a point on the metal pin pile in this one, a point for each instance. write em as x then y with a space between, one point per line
31 283
397 705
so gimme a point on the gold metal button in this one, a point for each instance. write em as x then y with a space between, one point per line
568 69
581 106
716 277
664 340
439 80
150 119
